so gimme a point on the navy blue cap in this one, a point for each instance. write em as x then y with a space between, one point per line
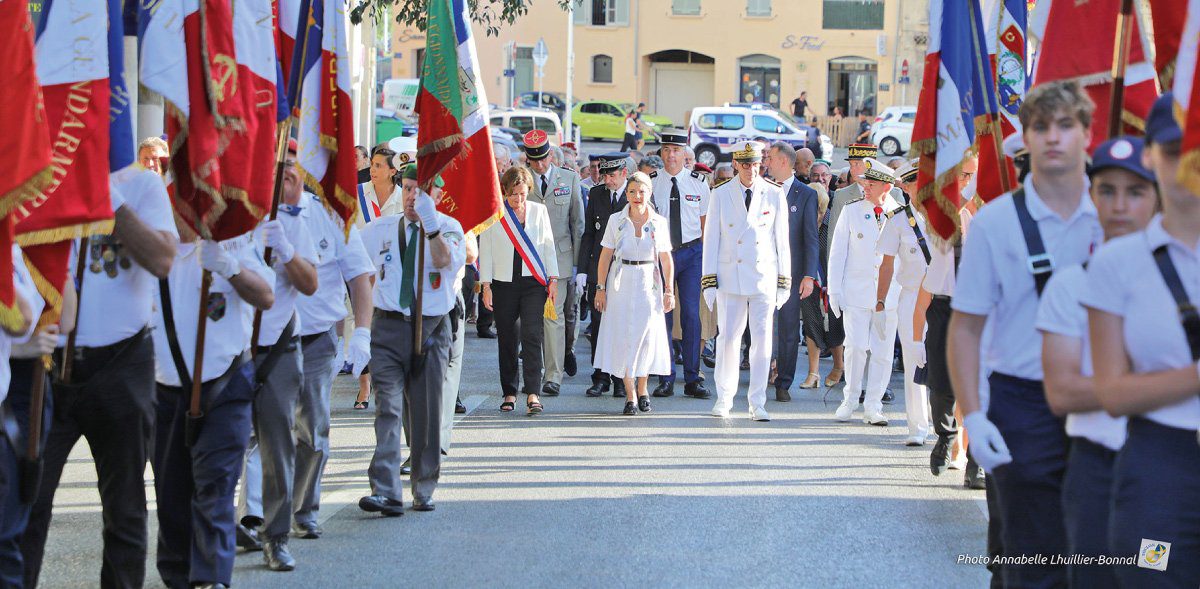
1161 126
593 158
1120 152
612 160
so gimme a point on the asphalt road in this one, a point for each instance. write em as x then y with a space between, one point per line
585 497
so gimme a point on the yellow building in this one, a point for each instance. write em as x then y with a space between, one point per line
678 54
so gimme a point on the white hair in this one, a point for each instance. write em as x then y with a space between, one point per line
691 153
501 150
556 155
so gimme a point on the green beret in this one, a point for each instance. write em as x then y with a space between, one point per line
409 172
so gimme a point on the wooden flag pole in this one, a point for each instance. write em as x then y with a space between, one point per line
985 69
1120 56
194 415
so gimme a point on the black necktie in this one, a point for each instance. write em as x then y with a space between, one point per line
544 187
676 222
612 196
749 193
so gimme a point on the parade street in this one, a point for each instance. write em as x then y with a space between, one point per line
585 497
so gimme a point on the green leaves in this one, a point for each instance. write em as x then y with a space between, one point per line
490 14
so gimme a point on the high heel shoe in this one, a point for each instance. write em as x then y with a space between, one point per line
831 381
811 382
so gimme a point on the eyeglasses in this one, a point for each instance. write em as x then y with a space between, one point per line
747 165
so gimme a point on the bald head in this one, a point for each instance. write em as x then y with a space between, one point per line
804 161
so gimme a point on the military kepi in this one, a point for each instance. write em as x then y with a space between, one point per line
611 161
861 151
673 137
750 151
537 144
876 170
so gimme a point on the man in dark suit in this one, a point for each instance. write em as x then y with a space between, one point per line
604 199
802 233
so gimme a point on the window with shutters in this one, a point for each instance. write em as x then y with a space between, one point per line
853 14
685 7
758 7
602 69
603 13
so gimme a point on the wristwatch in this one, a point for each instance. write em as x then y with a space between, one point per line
600 288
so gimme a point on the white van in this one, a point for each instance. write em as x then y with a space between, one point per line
714 131
400 95
528 119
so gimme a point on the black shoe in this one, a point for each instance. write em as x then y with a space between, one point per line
307 530
459 408
570 366
619 390
597 389
630 409
277 555
696 390
782 395
975 478
644 404
550 389
247 538
665 388
888 397
861 397
426 505
487 334
380 504
709 358
939 457
406 468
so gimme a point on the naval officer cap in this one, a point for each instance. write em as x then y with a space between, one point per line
537 144
876 170
612 161
1120 152
908 172
749 151
673 136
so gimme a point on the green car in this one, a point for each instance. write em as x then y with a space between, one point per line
605 119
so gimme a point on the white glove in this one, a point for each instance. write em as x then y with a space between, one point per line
835 306
274 237
360 350
427 211
710 298
580 282
781 296
879 324
987 445
918 349
215 259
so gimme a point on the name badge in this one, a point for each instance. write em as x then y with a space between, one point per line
691 197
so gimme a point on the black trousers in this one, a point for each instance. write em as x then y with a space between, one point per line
787 341
941 394
473 301
523 300
112 407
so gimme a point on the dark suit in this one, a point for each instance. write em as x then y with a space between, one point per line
595 219
802 235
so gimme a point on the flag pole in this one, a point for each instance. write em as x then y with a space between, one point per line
194 415
1120 57
985 69
69 352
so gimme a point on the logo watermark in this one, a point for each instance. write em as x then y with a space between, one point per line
1154 554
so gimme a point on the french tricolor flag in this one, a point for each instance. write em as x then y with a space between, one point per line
247 161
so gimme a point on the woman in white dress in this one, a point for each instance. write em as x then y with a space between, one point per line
634 343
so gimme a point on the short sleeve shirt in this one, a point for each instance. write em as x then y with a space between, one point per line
339 260
381 238
26 289
286 295
694 194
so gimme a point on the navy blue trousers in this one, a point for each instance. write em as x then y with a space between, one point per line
1087 494
14 515
1156 496
195 486
687 283
1029 489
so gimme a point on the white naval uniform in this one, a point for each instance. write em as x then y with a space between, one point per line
899 239
853 278
747 251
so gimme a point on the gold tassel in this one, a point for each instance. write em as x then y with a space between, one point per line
548 312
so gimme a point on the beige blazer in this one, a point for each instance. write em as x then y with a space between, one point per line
496 249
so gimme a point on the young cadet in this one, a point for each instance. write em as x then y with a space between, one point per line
682 196
903 241
194 482
1123 192
747 274
1015 242
1141 294
392 241
109 399
853 294
266 490
341 260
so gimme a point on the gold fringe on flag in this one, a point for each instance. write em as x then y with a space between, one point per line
28 190
10 316
57 234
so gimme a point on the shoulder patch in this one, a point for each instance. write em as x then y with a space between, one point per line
773 183
697 175
853 200
719 184
654 174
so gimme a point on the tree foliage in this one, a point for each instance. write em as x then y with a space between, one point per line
490 14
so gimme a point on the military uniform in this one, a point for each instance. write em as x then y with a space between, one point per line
747 265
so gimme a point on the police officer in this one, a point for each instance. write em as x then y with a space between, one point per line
1123 192
558 189
109 398
604 200
870 321
681 196
906 257
747 274
1014 244
266 492
194 483
342 261
393 243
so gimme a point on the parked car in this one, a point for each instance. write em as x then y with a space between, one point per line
549 100
604 119
715 131
525 120
400 95
892 130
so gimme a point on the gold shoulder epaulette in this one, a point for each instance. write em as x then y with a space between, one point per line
718 184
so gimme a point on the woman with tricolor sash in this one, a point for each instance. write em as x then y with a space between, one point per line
517 265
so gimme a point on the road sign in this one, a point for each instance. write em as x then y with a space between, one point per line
540 53
510 73
904 69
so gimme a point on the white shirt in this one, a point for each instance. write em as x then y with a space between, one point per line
230 318
112 279
1061 313
339 260
25 288
393 206
382 241
900 241
694 195
994 277
1124 280
286 294
854 258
